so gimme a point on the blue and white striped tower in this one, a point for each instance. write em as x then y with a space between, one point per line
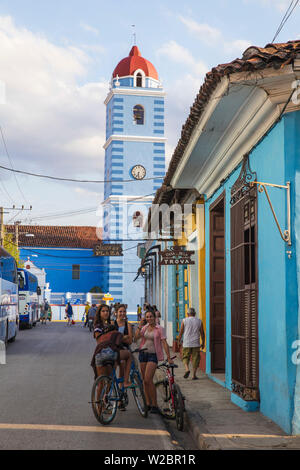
134 151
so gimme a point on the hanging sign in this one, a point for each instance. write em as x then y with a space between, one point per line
176 255
108 250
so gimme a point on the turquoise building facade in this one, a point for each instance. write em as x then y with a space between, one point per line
134 167
239 151
275 160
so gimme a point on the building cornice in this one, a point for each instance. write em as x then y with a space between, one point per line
133 138
137 199
135 92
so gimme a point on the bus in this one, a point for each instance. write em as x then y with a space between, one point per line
29 292
8 297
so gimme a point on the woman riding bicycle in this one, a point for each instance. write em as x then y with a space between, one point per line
154 339
125 328
109 339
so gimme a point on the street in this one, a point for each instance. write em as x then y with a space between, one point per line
45 393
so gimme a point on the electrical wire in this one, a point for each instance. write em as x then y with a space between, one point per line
11 163
285 18
57 178
57 215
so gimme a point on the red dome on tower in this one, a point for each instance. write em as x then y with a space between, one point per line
135 62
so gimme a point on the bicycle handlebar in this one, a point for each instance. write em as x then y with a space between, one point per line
166 364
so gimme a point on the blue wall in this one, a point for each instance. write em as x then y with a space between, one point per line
120 157
58 262
274 161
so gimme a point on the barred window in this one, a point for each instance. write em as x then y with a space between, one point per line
76 272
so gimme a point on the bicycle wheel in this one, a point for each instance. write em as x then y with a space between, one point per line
179 408
104 399
164 399
139 395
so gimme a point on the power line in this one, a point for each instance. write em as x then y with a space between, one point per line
286 16
10 160
57 178
83 210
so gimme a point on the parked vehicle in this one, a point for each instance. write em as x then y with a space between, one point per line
29 306
8 297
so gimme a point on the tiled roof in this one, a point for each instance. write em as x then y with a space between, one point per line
254 59
56 236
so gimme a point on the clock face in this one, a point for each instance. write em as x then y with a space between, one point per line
138 172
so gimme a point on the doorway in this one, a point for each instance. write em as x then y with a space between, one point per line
217 286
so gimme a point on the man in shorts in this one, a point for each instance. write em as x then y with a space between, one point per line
191 330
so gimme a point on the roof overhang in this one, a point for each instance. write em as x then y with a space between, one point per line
240 111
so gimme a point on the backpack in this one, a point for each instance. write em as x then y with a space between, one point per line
107 354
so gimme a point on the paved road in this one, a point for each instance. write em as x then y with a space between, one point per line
44 394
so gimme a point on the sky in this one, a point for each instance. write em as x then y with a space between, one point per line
56 62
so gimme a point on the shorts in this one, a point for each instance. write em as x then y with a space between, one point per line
101 360
187 353
148 357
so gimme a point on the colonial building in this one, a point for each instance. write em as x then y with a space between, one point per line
65 253
134 166
239 153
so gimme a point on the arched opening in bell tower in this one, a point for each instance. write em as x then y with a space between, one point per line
138 114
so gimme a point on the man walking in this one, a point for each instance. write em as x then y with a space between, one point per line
191 330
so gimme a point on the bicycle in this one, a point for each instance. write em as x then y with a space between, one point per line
169 396
109 391
91 325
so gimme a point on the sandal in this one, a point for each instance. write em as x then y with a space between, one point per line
186 374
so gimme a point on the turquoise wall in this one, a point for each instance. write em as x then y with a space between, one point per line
274 160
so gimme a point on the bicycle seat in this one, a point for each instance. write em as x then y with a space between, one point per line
107 363
173 366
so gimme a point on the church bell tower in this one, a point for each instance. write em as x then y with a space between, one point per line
134 167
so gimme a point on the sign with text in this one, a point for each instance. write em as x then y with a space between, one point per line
176 255
108 250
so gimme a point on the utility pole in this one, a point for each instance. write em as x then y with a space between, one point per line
2 226
17 223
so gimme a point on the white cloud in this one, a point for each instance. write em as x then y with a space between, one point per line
237 47
204 32
214 37
179 54
89 28
50 122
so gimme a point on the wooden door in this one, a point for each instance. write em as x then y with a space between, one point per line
244 295
217 285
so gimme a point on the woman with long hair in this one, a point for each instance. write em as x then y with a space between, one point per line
107 336
123 325
154 339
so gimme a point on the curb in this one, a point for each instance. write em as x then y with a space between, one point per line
199 432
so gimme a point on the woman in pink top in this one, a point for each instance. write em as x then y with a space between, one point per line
154 339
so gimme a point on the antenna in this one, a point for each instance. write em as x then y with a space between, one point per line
134 34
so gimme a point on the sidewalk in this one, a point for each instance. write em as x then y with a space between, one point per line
215 423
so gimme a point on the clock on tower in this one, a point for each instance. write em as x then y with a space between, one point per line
135 146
